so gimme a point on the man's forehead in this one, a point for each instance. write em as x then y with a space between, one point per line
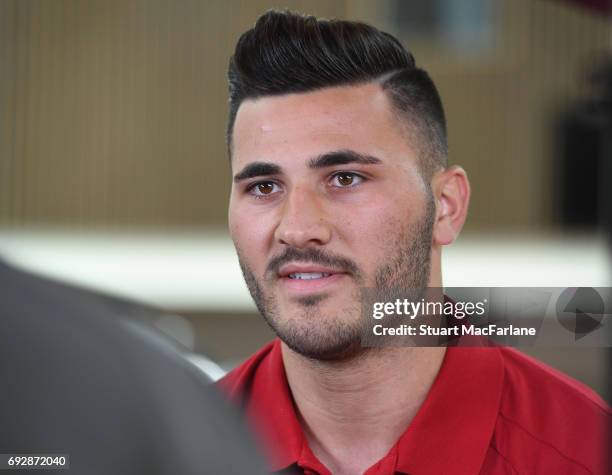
336 118
326 100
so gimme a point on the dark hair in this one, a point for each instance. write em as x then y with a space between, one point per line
286 52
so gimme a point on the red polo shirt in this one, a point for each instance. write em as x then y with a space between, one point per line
490 411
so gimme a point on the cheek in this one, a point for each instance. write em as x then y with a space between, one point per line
250 233
363 232
379 219
385 209
376 230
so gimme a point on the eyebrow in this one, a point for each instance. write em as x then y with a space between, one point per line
329 159
257 169
342 157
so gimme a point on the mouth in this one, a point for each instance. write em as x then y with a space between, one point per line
306 279
308 275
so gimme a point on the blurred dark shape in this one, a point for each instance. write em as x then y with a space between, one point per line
466 28
599 6
584 157
79 379
421 17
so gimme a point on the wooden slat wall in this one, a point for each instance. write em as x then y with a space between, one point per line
113 112
502 118
7 106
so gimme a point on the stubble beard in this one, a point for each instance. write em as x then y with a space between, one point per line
338 337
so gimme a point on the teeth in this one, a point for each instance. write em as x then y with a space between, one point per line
308 275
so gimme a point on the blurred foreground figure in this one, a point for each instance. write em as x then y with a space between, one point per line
118 399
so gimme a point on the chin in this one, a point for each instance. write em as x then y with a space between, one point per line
339 354
320 339
313 326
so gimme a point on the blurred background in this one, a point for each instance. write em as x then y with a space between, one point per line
114 173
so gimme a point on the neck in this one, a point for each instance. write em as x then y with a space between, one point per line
354 411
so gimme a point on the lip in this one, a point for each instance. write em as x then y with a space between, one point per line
288 269
302 286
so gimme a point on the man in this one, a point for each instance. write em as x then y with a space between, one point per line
79 379
340 182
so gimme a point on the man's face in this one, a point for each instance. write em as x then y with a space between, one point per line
327 198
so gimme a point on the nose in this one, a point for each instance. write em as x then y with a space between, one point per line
303 221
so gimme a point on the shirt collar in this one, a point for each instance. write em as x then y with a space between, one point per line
271 408
453 428
451 432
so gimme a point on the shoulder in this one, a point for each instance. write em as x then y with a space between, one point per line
85 361
237 382
549 419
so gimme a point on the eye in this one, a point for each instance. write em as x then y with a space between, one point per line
346 179
263 188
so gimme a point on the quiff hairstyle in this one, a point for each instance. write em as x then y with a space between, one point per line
286 52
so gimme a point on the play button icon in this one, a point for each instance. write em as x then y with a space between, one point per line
580 310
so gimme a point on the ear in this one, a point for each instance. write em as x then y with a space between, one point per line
451 189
